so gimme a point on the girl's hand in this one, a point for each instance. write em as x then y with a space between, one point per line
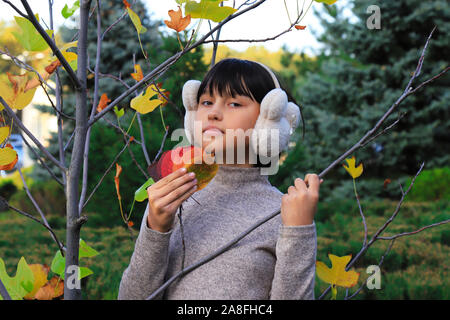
299 205
166 196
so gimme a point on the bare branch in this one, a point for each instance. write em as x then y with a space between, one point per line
3 292
414 232
38 221
106 172
38 157
36 206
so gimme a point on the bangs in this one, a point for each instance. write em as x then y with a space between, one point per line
237 77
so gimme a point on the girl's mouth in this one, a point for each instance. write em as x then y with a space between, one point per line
213 132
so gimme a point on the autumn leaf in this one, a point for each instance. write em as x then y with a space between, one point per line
172 160
386 182
17 91
130 223
52 289
208 9
355 172
143 103
40 273
166 93
336 275
8 156
138 75
71 57
299 27
117 180
12 164
103 103
177 22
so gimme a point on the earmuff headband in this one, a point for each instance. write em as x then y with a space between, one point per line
275 80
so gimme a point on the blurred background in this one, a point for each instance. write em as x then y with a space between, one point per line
343 75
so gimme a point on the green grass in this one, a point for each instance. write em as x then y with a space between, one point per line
416 268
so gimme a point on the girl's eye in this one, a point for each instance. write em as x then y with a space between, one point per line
237 104
205 102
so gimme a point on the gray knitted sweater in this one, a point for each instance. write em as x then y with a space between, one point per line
272 262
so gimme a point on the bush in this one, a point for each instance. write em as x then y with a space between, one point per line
49 195
430 185
7 188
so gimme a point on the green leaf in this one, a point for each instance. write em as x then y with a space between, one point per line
329 2
141 193
84 272
59 262
68 12
30 38
119 113
86 251
19 285
208 9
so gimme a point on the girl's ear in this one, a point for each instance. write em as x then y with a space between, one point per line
189 94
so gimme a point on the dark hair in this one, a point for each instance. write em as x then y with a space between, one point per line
233 77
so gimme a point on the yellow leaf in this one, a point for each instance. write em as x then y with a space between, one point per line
7 155
142 102
16 91
40 273
4 133
136 21
336 275
138 75
355 172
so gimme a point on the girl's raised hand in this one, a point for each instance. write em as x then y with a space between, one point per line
299 205
165 197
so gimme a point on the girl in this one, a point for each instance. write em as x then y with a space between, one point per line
276 260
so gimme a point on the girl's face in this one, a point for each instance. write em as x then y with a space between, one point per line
226 112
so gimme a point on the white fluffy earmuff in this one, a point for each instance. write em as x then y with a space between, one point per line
276 122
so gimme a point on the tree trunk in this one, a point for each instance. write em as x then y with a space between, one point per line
72 287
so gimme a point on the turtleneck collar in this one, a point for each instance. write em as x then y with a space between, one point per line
236 176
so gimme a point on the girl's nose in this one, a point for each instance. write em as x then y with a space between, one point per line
214 112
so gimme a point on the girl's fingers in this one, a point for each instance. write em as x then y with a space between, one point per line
300 184
313 181
173 185
177 193
170 177
186 195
